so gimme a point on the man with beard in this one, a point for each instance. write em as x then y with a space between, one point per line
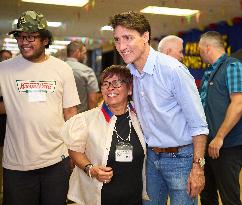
221 93
39 94
170 112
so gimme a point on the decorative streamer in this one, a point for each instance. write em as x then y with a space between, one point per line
188 18
87 8
182 20
93 3
198 17
229 22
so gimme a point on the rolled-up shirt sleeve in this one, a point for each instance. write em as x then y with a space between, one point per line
74 133
234 77
187 96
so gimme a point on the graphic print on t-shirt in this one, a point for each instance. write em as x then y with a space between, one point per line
36 90
28 86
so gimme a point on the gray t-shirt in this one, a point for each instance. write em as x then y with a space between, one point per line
86 82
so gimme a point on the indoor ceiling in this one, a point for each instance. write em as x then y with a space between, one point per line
87 21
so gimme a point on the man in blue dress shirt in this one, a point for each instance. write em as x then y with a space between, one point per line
170 112
221 93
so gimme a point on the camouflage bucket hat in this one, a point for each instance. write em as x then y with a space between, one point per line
30 21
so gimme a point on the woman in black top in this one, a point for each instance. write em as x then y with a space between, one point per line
121 175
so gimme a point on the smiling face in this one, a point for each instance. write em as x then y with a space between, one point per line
33 51
116 97
132 46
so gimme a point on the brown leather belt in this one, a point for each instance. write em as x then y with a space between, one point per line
158 150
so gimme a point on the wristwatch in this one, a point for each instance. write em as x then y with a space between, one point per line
87 168
200 161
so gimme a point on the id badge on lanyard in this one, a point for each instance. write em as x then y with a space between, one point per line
124 152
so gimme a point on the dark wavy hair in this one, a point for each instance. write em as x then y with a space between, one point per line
131 20
46 34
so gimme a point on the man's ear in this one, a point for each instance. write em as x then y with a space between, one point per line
46 41
146 36
168 51
130 92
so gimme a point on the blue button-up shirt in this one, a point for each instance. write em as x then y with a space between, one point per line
167 102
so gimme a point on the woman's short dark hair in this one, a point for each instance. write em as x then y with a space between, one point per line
121 71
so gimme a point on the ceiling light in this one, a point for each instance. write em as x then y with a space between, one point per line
169 11
61 42
49 23
11 48
106 28
10 40
78 3
10 45
54 24
57 46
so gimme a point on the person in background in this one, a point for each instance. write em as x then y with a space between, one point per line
39 94
108 147
222 93
4 55
173 46
86 81
169 110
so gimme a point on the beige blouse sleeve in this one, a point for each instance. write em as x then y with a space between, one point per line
74 133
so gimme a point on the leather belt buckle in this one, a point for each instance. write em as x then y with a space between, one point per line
159 150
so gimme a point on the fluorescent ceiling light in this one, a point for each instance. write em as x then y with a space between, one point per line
169 11
49 23
57 46
54 24
10 45
106 28
10 40
11 48
61 42
78 3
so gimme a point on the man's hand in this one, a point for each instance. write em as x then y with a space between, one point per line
214 147
196 181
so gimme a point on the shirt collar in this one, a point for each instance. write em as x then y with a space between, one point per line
72 59
148 67
107 113
218 61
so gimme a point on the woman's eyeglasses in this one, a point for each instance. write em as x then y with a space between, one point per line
114 83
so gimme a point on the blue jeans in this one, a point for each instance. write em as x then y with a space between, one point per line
167 175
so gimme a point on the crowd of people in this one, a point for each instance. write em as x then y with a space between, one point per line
154 135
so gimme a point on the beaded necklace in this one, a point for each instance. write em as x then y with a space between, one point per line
119 138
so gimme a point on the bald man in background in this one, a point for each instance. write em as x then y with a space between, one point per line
173 46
